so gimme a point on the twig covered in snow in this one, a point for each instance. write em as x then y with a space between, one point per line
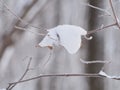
108 76
94 62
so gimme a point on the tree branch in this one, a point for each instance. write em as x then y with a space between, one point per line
97 8
20 19
11 86
7 40
114 14
102 28
37 33
58 75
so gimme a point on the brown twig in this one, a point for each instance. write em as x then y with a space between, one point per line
7 37
114 24
20 19
114 14
66 75
102 28
97 8
42 68
88 33
11 86
37 33
59 75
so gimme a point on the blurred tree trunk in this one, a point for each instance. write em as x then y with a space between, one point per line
96 47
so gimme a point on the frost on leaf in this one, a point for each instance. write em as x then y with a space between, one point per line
68 36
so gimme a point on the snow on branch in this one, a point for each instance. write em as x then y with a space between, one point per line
94 61
102 73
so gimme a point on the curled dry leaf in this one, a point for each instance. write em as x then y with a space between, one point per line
68 36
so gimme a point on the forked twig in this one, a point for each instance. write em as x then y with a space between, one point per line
66 75
11 86
102 28
58 75
20 19
114 14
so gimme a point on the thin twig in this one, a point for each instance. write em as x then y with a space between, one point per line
97 8
37 33
58 75
104 27
66 75
46 62
88 33
42 69
114 14
27 69
7 37
20 19
11 86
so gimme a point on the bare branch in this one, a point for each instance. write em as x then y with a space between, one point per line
97 8
7 37
11 86
37 33
111 5
114 14
88 33
59 75
68 75
102 28
20 19
44 64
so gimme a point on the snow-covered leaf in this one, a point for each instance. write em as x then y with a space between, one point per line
50 39
68 36
108 76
